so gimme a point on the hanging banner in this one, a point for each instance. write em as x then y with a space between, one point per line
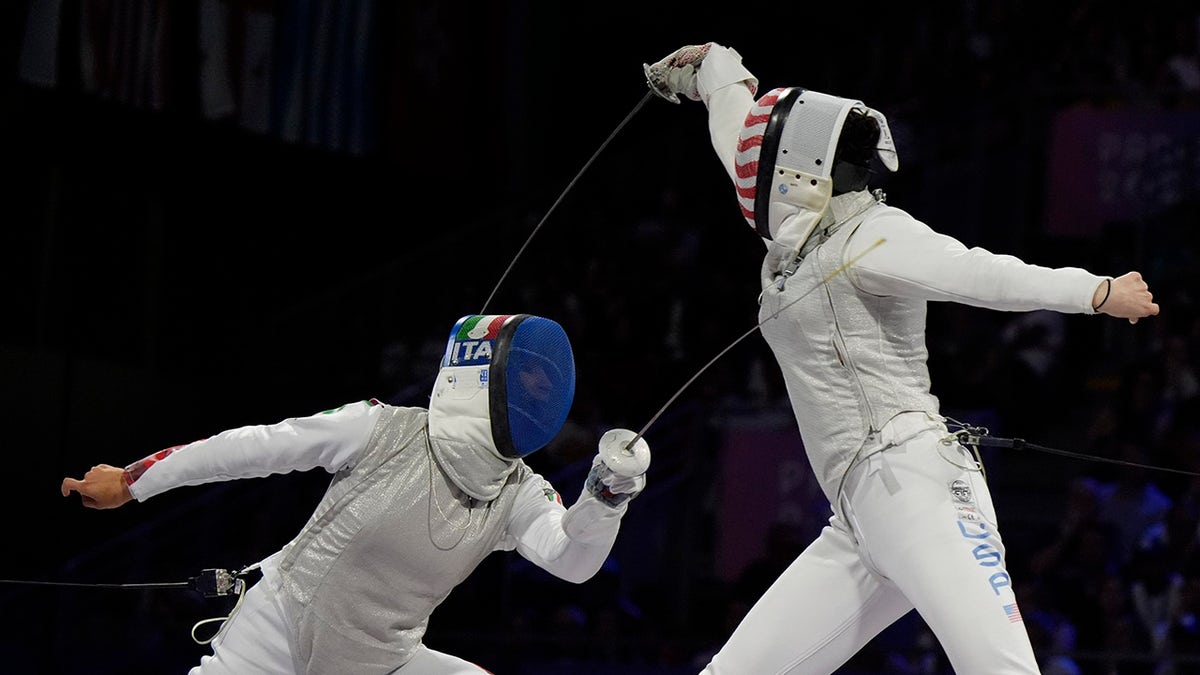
765 480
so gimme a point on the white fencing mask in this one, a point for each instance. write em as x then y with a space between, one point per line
785 160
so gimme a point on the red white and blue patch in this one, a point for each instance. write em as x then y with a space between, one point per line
1014 613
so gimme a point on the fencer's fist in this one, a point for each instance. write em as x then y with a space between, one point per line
618 471
103 487
610 488
676 73
1126 297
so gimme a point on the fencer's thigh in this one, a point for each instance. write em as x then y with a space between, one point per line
426 661
254 641
820 611
924 519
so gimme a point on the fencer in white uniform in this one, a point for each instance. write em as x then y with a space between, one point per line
418 498
845 283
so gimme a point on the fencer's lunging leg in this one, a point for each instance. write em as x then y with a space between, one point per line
820 611
923 516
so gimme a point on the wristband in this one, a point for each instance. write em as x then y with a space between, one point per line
1107 292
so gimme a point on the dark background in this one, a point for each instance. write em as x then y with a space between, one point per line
178 262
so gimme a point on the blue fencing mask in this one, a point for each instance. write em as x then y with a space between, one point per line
506 381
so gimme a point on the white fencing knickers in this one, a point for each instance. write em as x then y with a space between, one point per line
916 528
254 641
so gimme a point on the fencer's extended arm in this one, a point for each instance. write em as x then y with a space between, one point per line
727 89
571 544
330 440
916 262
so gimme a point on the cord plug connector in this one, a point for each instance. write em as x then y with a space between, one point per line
215 583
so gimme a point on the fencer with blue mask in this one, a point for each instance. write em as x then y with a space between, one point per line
418 498
845 282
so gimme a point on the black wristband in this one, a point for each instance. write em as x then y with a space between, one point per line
1107 292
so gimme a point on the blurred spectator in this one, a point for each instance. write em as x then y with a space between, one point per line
1050 631
1131 504
1156 590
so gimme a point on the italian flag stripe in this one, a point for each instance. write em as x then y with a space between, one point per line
491 321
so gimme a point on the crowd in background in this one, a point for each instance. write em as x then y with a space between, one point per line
653 279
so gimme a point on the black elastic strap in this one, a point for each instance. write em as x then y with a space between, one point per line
1107 292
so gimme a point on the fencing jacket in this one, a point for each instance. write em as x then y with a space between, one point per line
394 533
851 344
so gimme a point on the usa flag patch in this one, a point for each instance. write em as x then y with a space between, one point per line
1013 612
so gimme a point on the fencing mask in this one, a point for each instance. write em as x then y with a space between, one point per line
506 382
786 166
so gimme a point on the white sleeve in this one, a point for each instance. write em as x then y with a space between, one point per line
571 544
331 440
727 89
913 261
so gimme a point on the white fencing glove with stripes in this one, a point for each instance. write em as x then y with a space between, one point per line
676 74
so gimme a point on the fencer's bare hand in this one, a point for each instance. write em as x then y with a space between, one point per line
1129 298
103 487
